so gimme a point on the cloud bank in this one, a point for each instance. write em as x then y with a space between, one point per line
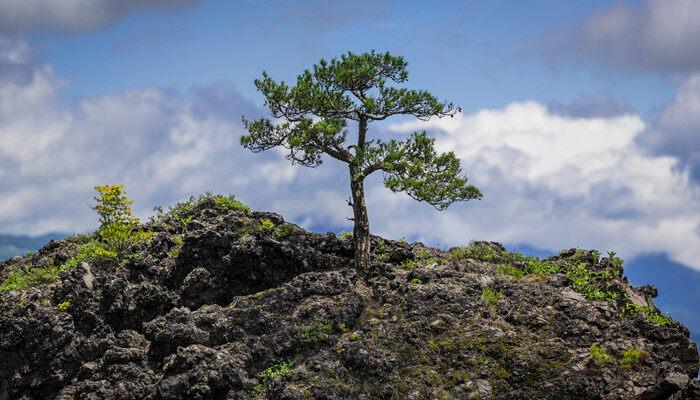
552 180
18 16
558 181
656 34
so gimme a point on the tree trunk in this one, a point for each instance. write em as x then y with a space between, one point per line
360 233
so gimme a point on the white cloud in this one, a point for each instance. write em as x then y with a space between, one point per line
555 182
677 131
656 34
550 180
72 15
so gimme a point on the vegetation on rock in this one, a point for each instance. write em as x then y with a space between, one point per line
243 305
314 115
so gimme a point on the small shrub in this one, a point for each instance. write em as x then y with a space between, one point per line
416 281
617 261
120 238
633 356
229 203
345 236
89 252
284 230
114 206
599 356
507 269
484 252
315 332
182 212
408 265
650 312
490 296
63 307
593 285
355 336
275 371
266 225
177 248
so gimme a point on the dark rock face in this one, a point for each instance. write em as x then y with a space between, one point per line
225 309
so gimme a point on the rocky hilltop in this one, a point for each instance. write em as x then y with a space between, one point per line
224 303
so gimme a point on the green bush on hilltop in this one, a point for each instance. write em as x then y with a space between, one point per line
118 234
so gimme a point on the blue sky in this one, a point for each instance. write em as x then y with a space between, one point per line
479 53
579 119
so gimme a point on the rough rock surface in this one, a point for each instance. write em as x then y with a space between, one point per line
225 309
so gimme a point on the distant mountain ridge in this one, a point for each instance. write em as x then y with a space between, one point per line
16 245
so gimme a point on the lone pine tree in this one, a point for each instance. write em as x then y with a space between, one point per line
312 119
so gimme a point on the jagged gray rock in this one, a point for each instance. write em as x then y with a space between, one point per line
224 309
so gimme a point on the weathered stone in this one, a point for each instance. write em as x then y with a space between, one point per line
239 313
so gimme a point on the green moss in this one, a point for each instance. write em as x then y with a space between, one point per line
633 356
599 356
316 332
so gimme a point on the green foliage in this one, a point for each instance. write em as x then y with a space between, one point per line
120 238
409 264
316 332
90 252
599 356
633 356
22 278
483 252
531 266
229 203
310 119
118 226
175 250
63 307
650 312
113 205
595 285
355 336
266 225
490 296
273 372
617 261
416 281
26 277
284 230
414 167
181 212
345 235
